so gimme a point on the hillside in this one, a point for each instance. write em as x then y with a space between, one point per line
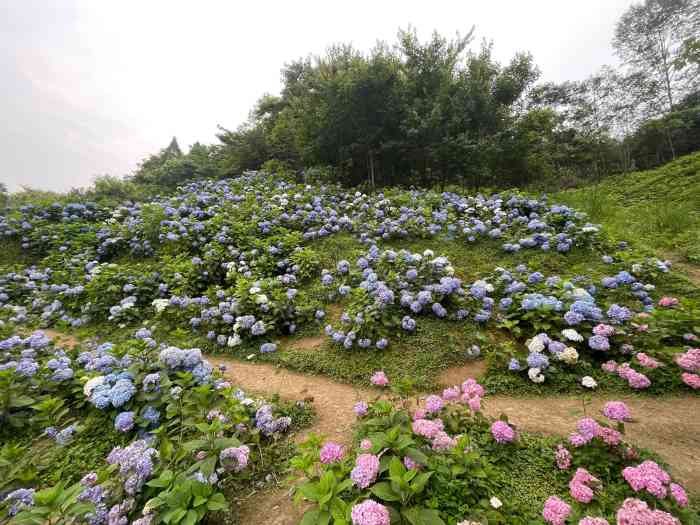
354 307
659 208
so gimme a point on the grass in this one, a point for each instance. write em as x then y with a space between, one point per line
659 208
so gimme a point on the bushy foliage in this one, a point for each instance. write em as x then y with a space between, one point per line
445 462
185 430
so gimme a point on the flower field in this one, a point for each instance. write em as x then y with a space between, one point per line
384 291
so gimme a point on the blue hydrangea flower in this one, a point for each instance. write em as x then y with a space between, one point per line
124 421
408 323
537 360
266 348
599 342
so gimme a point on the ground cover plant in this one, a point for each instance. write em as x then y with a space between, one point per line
405 281
129 433
247 262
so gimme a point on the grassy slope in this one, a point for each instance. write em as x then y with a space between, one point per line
659 207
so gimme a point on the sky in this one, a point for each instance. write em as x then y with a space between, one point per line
91 87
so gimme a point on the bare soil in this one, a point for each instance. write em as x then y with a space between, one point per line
457 374
691 271
670 427
307 343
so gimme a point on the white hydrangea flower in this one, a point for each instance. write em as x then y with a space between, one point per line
536 344
234 340
589 382
160 304
261 299
572 335
535 375
92 384
495 502
428 253
569 355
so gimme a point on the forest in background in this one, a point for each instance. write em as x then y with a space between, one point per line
445 112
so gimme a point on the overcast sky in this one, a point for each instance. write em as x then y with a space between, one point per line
91 87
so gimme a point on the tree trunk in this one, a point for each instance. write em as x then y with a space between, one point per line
670 143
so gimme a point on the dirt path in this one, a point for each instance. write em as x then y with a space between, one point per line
669 426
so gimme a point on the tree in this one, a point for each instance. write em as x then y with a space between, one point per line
4 197
650 38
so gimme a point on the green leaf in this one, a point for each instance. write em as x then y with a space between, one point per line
162 481
418 484
195 444
422 516
384 491
396 468
174 516
221 443
191 518
217 502
417 456
310 491
343 486
311 517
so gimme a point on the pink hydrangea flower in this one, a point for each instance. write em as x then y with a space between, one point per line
690 360
419 414
604 329
577 440
472 388
365 444
474 404
580 485
369 512
556 511
502 432
678 494
647 361
434 404
588 428
563 457
637 512
610 436
332 453
428 428
451 394
442 441
668 302
235 458
593 521
692 380
624 370
379 378
638 381
616 411
648 476
634 378
365 471
609 366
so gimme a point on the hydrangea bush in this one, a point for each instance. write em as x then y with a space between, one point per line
444 463
186 430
